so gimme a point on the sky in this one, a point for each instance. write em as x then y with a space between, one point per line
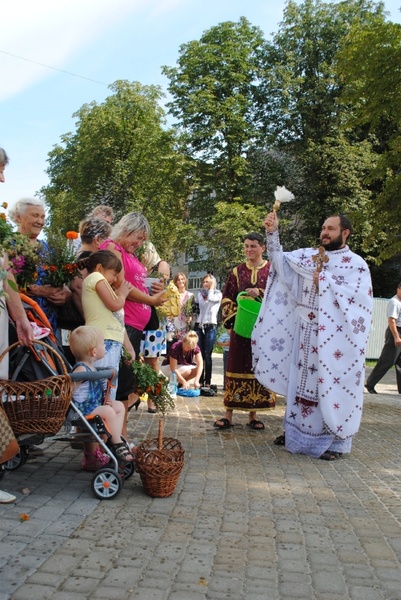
56 56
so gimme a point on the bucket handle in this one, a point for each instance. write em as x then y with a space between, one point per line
244 294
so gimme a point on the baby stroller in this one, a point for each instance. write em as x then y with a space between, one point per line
38 400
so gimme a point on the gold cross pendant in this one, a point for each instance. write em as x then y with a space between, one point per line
319 259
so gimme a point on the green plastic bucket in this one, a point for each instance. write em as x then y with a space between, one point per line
247 313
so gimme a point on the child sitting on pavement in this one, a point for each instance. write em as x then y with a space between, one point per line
87 345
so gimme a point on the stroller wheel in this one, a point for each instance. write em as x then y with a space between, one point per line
18 460
128 469
106 484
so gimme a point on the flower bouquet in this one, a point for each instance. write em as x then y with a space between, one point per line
59 264
23 258
22 255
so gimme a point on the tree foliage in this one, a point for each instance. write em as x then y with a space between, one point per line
370 66
259 114
215 93
300 78
316 108
121 154
305 117
232 221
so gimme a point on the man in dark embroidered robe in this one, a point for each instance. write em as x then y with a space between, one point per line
243 391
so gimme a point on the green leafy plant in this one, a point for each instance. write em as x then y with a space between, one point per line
188 308
150 382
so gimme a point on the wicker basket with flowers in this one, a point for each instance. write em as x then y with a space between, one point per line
159 461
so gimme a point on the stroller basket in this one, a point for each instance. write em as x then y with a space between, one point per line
37 406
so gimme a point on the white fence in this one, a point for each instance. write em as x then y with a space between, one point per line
379 326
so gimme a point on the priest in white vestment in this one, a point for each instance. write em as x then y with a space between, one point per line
310 339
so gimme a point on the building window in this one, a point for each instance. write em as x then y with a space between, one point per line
194 283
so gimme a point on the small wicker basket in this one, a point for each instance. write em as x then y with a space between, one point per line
159 463
37 406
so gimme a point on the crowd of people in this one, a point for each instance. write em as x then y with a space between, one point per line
308 343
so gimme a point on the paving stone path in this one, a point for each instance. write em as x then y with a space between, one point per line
247 521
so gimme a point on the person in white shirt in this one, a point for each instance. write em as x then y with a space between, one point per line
209 300
391 352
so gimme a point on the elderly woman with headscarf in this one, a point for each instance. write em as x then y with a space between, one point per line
29 216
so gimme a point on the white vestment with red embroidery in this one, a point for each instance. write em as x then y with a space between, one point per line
310 346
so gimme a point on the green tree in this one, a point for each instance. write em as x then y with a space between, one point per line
258 114
215 94
301 77
305 119
215 90
370 66
121 154
232 220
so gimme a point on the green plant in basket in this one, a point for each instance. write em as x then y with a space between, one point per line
150 382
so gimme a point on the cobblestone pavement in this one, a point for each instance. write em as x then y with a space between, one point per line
247 521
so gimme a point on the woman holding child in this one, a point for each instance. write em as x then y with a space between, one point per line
125 239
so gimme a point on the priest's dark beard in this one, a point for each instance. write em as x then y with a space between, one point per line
335 244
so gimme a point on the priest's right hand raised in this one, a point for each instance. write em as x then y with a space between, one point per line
271 222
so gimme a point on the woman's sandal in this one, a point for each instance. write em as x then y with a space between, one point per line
280 440
122 452
256 425
135 405
225 424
